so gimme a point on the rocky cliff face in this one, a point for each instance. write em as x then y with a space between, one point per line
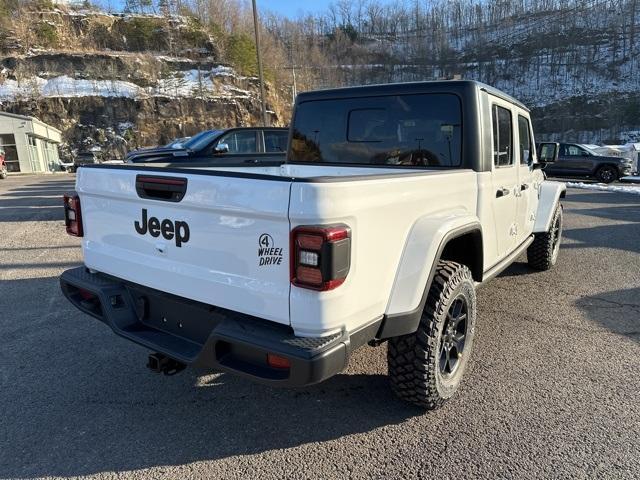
119 124
118 101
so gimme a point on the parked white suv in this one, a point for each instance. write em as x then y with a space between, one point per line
393 204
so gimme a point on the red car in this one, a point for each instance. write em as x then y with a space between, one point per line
3 165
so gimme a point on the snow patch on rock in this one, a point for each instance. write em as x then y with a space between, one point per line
188 83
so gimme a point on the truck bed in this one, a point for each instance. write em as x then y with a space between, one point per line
229 211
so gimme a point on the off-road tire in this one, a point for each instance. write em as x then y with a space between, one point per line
542 254
607 174
3 174
414 360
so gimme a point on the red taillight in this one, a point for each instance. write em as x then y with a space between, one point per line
276 361
312 242
320 256
308 275
73 215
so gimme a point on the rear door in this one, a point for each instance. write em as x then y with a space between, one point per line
225 242
504 177
526 201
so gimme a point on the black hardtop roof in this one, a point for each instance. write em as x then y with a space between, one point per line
441 86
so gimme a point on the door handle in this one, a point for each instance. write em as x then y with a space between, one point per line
524 186
502 192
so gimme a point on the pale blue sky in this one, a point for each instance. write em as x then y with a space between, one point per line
290 8
294 8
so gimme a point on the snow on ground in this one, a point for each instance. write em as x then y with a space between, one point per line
189 83
606 188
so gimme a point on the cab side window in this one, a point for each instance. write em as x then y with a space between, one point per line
574 151
241 142
524 133
275 141
502 137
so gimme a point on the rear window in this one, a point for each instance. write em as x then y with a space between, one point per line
407 130
502 137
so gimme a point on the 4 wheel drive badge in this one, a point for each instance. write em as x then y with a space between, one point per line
268 253
265 240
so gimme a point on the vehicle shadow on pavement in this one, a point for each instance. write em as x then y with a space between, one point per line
618 311
616 208
34 202
620 237
517 269
78 400
599 197
51 187
107 430
625 213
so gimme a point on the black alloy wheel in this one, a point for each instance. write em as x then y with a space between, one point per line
453 338
606 174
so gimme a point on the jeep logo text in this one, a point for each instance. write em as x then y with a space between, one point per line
168 229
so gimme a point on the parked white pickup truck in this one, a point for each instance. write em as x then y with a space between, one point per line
393 204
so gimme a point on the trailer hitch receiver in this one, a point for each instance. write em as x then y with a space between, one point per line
160 363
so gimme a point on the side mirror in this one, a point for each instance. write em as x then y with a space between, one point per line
585 154
548 153
221 148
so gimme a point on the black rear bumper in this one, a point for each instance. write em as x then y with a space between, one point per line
194 333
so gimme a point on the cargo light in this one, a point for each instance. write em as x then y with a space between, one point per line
86 294
73 215
320 256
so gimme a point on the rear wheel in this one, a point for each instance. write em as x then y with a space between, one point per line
607 174
426 367
3 173
542 254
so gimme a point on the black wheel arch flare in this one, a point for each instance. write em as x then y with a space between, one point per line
469 236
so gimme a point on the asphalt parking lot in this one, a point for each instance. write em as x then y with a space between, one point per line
553 390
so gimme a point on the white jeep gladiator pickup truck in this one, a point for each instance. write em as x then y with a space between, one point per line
393 204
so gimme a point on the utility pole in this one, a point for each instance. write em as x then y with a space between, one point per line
295 87
260 74
294 90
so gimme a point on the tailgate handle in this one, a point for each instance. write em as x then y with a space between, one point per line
168 189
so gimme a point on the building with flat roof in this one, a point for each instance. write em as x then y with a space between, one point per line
30 146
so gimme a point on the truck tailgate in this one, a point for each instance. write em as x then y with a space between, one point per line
224 243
